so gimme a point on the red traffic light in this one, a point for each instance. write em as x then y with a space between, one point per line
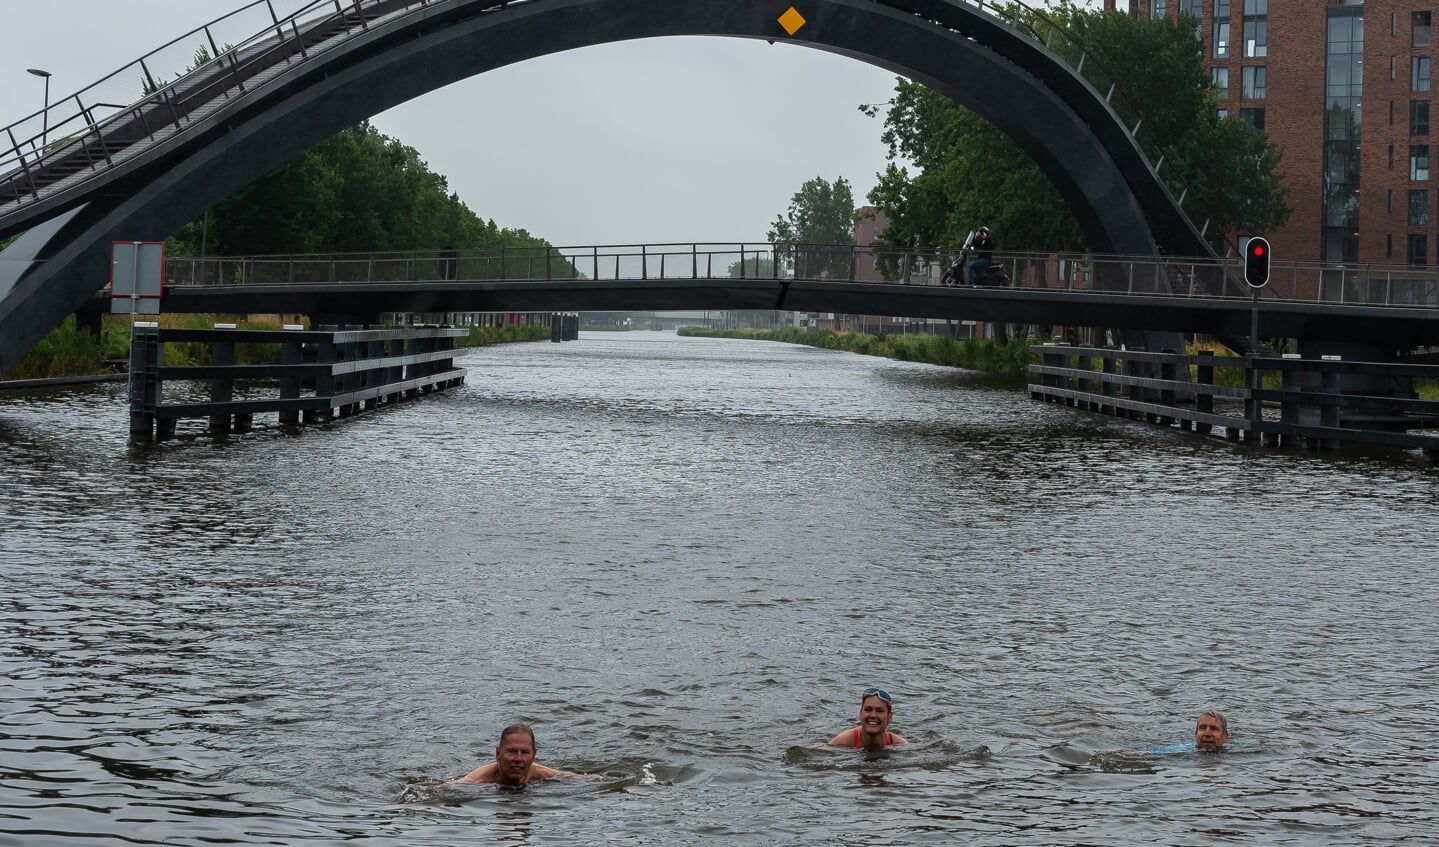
1256 262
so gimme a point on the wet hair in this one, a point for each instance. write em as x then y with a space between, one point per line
519 727
1219 717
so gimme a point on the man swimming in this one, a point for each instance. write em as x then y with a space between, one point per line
514 762
1211 731
876 710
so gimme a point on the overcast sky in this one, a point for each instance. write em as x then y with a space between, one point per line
678 139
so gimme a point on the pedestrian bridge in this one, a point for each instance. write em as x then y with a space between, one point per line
1380 307
89 170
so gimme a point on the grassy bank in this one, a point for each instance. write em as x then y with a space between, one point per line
65 352
1010 360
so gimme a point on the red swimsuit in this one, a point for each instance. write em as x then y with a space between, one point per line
888 739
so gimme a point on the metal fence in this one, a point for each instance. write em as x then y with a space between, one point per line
1372 285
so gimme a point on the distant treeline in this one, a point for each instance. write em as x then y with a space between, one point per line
358 192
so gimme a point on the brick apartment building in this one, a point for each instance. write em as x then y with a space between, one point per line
1357 163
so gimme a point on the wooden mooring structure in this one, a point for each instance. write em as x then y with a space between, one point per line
1321 403
321 374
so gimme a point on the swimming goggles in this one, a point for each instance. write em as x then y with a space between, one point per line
876 692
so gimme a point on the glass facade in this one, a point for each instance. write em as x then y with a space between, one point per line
1344 86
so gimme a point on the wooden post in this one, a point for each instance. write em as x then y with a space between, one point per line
291 353
222 388
146 352
1204 400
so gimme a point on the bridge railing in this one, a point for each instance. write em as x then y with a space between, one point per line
1203 277
97 126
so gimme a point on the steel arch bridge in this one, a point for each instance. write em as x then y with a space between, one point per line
147 169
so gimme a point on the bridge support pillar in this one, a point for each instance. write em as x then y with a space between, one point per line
557 329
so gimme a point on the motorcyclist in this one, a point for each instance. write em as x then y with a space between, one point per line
983 252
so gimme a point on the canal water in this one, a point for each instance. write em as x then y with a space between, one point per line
681 560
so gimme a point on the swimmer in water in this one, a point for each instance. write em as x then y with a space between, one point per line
514 763
876 710
1211 731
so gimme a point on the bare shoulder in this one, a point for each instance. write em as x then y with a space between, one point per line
844 739
481 774
898 739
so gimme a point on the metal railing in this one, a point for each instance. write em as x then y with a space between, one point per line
1197 278
103 122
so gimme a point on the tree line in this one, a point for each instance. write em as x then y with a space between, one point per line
965 172
359 191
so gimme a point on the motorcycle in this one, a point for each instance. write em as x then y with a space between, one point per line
992 274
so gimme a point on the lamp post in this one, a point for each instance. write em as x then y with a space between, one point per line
45 116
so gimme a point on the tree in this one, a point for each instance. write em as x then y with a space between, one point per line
359 191
753 267
815 238
969 173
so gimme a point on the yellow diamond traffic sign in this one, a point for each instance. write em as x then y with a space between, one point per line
791 20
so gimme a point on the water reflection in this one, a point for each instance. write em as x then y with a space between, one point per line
675 558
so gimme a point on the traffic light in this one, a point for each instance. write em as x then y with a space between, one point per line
1256 262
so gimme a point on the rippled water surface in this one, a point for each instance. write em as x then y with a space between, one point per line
681 560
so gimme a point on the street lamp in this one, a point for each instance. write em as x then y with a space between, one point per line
45 118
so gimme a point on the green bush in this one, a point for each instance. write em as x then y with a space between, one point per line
1011 359
63 352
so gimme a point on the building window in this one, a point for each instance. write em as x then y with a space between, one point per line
1194 9
1418 117
1253 117
1423 35
1256 28
1419 208
1389 246
1157 9
1253 83
1418 251
1343 91
1221 82
1389 201
1221 29
1419 74
1419 162
1221 113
